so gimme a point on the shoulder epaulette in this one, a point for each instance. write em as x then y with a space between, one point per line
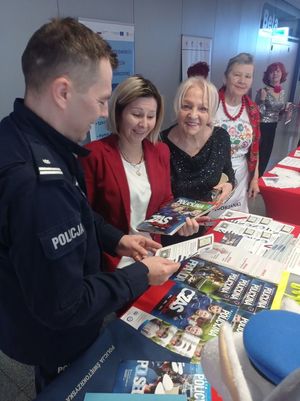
46 166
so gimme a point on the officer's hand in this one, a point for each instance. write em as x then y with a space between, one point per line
160 269
136 246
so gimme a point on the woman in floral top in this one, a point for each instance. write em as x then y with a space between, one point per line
239 116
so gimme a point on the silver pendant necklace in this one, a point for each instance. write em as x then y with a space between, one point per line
137 166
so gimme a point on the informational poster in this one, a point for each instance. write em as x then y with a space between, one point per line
194 49
121 38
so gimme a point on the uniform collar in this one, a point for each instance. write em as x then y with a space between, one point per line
45 131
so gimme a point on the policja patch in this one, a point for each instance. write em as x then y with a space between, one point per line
63 238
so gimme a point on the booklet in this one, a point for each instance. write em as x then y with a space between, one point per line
94 371
257 245
171 217
224 284
135 397
165 377
186 249
289 286
188 310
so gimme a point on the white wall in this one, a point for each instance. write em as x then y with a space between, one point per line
233 25
157 45
17 23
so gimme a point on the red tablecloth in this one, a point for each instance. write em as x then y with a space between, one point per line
282 204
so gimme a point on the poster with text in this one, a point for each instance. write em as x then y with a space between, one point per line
194 49
121 38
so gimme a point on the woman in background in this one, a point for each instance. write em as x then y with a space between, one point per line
271 101
128 173
201 68
239 116
200 152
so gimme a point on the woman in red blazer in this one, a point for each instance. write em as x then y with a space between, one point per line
128 173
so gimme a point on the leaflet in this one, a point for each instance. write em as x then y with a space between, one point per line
290 162
165 377
285 178
256 221
185 249
188 310
241 260
172 216
297 153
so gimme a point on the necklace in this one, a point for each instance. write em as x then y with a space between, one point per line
137 166
276 88
238 115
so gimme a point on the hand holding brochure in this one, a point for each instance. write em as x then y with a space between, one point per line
186 249
171 217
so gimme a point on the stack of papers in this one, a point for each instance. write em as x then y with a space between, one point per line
257 245
290 162
297 153
284 178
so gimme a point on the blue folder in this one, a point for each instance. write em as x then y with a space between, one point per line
95 370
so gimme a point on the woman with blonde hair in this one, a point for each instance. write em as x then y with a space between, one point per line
128 173
200 152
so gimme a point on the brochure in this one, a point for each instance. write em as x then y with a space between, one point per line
185 249
289 286
224 284
240 259
284 178
193 311
259 246
152 377
171 217
135 397
290 161
94 371
297 153
188 310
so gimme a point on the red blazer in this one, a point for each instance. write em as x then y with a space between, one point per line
107 186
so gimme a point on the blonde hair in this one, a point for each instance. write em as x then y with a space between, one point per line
125 93
210 94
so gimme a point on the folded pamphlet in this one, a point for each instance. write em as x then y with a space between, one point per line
171 217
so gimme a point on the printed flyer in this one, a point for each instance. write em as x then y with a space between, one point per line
152 377
171 217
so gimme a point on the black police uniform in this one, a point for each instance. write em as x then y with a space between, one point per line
53 296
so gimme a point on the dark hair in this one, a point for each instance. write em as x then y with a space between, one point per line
63 47
272 67
126 92
201 68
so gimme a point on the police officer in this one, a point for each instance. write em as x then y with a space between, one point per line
53 296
